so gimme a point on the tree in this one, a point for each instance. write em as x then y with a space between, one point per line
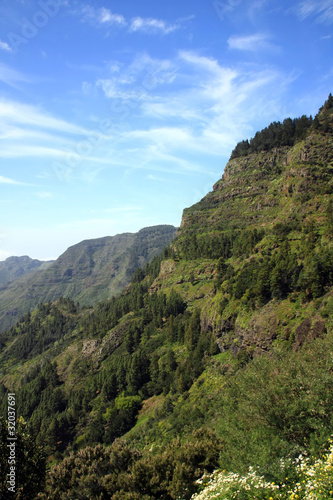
30 463
329 215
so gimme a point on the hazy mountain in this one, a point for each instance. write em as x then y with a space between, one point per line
88 272
15 267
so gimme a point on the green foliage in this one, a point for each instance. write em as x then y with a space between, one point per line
124 473
276 407
29 463
274 136
301 478
219 245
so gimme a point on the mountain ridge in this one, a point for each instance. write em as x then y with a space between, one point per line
15 267
88 272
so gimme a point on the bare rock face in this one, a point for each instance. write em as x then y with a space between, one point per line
308 331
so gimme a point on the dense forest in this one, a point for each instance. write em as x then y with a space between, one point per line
212 369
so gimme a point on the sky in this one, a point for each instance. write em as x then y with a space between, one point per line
115 116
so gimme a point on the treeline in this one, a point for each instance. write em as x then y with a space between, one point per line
276 135
287 133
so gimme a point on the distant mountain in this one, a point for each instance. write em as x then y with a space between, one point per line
88 272
15 267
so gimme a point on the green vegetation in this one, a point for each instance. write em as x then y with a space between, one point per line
30 478
275 135
15 267
301 480
217 355
89 272
288 133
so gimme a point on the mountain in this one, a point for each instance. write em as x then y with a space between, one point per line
15 267
88 272
215 361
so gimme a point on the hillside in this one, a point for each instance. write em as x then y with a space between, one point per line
217 357
89 272
15 267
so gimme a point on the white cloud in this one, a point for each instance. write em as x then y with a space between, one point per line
29 131
106 16
225 7
7 180
4 46
23 114
102 16
113 88
204 110
321 9
137 81
12 77
150 25
252 43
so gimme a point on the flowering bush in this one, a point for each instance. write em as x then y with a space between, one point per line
228 485
309 482
316 480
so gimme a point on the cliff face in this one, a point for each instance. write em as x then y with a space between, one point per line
277 197
264 188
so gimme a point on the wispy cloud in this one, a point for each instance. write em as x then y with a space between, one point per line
4 46
7 180
102 16
29 131
203 110
137 81
253 43
105 17
322 10
23 114
12 77
150 25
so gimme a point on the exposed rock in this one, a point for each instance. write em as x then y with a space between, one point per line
89 347
112 341
304 332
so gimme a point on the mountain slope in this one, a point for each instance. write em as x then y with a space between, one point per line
218 354
15 267
88 272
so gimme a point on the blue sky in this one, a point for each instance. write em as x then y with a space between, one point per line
117 115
